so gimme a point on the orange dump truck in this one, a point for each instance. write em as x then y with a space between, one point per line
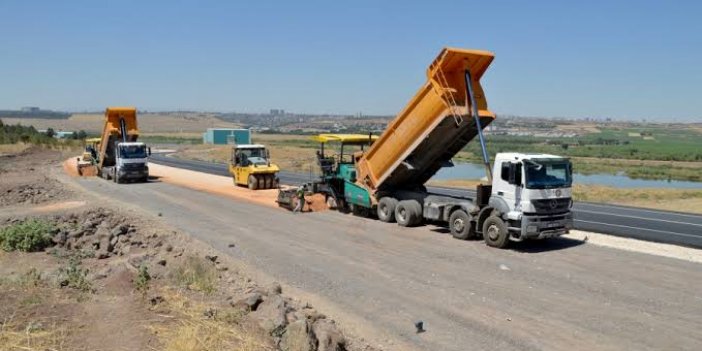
387 175
121 157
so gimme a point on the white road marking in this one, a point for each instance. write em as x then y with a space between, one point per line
637 209
630 227
638 217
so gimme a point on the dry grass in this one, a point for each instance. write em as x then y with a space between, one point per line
196 274
185 135
681 200
193 332
17 331
32 336
9 149
579 128
288 158
273 138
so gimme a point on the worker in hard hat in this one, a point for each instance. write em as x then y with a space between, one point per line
300 194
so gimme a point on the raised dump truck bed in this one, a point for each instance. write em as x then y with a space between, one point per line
120 125
433 128
121 156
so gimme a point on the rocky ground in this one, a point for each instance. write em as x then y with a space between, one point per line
110 278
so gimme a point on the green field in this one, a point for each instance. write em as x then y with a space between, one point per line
636 152
655 143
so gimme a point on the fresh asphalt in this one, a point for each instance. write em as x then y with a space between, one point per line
645 224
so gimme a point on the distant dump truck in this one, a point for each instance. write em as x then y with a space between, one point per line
530 196
121 157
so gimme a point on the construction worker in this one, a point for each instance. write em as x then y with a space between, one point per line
300 200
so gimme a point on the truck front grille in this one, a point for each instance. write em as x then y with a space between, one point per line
551 205
133 166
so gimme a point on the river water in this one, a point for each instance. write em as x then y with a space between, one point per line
476 171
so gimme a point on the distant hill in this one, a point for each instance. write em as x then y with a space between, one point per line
44 114
148 122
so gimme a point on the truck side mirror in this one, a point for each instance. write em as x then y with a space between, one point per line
149 151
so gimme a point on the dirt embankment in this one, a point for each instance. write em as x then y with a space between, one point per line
25 180
113 279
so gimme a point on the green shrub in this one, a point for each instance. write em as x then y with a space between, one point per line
141 283
73 276
28 236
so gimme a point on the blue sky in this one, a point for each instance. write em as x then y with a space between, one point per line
620 59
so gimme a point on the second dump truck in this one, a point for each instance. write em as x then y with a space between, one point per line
529 196
120 156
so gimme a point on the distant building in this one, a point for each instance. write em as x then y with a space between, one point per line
223 136
277 112
30 109
63 135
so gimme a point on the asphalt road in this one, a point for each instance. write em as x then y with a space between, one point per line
377 279
658 226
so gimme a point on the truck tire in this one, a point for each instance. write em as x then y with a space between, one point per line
418 215
253 182
461 225
495 232
386 209
408 213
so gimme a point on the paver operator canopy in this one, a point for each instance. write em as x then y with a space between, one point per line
434 126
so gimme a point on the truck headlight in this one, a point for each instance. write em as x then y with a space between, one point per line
532 229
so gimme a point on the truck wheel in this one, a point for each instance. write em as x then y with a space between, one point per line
408 213
253 182
461 225
495 232
386 209
418 218
269 182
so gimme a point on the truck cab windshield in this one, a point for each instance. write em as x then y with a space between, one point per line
132 151
547 175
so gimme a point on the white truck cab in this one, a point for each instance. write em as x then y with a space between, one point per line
532 193
131 162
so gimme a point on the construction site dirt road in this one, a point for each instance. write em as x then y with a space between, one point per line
378 279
